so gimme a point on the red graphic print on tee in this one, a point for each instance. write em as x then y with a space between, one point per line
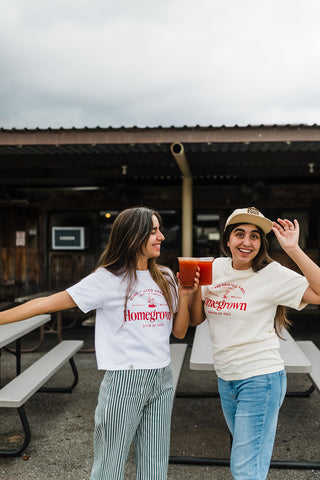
147 306
225 297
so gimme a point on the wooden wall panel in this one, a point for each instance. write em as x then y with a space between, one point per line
68 268
19 263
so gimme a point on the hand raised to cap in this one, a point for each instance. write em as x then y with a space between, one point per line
287 232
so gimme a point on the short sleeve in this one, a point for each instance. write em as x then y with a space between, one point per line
90 293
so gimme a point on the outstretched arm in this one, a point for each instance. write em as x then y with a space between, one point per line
37 306
287 234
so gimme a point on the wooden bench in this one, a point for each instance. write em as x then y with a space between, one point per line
178 352
31 380
313 353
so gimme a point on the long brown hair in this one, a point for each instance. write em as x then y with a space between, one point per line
130 232
260 261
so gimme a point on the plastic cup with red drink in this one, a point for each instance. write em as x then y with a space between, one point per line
188 267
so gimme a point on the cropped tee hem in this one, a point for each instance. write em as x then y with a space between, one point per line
135 337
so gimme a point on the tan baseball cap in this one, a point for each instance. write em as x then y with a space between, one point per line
249 215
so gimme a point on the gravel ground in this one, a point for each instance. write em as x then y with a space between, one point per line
62 424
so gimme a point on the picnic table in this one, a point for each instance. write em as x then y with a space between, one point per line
295 360
299 358
17 391
13 332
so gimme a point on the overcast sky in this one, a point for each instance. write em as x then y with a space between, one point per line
110 63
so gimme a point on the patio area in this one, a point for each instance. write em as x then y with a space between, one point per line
62 430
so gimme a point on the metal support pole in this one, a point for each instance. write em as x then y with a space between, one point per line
177 151
187 214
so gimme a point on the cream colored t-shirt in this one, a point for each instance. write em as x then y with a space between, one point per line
240 306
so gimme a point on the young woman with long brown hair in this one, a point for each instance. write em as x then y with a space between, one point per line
138 304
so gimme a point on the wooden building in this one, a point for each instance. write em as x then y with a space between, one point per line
60 190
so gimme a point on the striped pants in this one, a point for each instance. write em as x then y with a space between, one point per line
133 405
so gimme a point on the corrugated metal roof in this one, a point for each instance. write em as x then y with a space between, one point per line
96 156
172 127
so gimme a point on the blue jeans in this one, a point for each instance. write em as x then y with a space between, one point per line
251 409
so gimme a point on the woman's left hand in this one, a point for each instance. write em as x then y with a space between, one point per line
287 233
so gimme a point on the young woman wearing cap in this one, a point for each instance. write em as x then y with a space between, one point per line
245 308
138 304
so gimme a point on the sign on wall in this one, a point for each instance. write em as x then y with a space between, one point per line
68 238
20 239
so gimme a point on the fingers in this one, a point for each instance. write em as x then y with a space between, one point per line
286 225
185 290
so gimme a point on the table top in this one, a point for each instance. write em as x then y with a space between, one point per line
294 359
12 331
